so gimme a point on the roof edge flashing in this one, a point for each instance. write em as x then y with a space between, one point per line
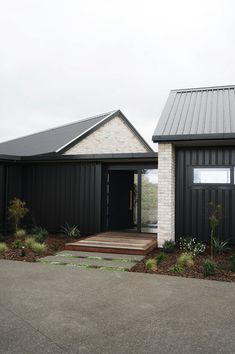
171 138
205 88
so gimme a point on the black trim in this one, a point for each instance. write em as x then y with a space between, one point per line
90 157
171 138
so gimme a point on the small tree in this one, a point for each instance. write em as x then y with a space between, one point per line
215 215
17 211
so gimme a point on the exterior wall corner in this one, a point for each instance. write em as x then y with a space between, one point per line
166 193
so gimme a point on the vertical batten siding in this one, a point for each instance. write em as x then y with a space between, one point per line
2 196
192 200
60 193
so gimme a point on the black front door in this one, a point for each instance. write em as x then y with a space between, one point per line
121 194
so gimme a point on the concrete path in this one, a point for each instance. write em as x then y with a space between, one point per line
56 309
103 261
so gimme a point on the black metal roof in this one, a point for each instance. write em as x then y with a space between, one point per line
205 113
58 140
52 140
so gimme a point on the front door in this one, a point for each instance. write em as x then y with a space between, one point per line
120 201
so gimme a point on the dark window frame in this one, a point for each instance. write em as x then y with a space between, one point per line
230 185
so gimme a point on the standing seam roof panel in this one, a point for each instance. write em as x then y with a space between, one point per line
198 114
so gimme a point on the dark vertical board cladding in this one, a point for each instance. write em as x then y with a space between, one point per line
60 193
13 189
192 200
2 196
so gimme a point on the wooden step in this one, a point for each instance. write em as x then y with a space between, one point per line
125 243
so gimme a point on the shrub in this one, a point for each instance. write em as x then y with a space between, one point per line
2 238
3 247
191 245
232 263
29 241
38 247
209 267
17 244
169 246
39 234
151 264
185 260
20 233
215 215
161 257
17 211
177 268
219 246
70 231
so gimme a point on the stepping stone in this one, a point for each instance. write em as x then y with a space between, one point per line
87 263
98 255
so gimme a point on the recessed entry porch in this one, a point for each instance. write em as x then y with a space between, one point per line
131 199
129 212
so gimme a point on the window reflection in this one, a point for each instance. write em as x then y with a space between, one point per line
149 200
211 175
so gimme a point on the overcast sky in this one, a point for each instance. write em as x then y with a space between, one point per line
61 61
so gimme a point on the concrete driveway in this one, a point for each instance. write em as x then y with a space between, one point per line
55 309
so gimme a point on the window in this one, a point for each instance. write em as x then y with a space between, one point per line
211 175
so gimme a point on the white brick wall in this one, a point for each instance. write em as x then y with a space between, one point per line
114 136
166 192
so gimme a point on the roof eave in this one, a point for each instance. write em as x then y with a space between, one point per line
192 137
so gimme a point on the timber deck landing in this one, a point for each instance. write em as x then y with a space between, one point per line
115 242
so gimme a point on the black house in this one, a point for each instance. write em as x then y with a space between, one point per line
90 173
196 161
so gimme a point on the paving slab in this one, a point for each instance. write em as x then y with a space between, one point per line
87 262
114 256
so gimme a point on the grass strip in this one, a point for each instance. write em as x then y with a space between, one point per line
123 260
91 266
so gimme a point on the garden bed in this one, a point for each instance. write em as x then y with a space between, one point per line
54 244
194 271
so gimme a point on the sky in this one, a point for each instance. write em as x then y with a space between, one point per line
61 61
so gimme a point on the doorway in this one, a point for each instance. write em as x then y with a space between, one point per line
132 200
121 200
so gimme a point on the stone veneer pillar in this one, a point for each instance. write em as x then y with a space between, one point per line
166 192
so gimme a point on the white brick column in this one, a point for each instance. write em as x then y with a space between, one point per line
166 192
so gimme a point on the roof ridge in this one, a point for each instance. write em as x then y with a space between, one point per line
61 126
206 88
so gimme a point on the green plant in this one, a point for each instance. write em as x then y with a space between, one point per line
151 264
191 245
161 257
177 268
29 241
232 263
219 245
2 238
215 214
185 260
38 247
20 233
169 246
39 234
3 247
209 267
17 244
17 211
70 231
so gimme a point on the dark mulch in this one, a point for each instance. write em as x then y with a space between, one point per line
54 244
196 271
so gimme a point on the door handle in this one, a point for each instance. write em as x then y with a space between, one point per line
131 200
